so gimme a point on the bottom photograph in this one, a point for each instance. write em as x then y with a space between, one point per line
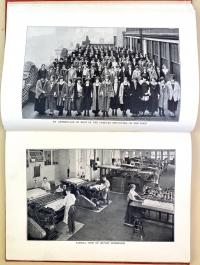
100 195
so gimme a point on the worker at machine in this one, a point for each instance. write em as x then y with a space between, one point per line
45 185
156 176
69 203
105 192
64 193
82 175
132 196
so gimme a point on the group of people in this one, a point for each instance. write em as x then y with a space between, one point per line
103 78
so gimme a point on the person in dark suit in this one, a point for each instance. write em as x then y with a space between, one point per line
78 96
135 93
87 97
114 103
42 72
129 73
153 99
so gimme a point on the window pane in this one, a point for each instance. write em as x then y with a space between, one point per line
36 156
158 154
55 157
47 158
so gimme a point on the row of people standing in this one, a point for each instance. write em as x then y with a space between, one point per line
136 96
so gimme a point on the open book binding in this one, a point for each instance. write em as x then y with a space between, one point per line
103 71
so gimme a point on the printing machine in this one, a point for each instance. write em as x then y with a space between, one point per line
45 210
88 193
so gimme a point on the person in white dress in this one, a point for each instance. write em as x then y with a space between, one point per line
69 202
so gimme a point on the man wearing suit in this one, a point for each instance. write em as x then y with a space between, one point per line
129 73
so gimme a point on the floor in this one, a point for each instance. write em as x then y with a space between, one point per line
28 113
108 225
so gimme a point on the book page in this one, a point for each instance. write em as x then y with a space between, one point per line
39 173
99 72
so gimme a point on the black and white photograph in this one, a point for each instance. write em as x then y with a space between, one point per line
101 73
109 195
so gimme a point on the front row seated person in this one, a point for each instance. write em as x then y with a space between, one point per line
45 185
132 196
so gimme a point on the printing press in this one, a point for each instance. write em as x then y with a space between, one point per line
121 177
45 210
88 193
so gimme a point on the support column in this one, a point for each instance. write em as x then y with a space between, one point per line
159 55
151 47
144 47
168 56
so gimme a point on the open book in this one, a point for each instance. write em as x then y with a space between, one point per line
98 111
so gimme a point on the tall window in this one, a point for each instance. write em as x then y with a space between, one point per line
126 154
155 47
164 50
174 52
153 154
47 158
171 155
159 154
55 157
165 155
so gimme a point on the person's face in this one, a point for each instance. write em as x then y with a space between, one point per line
106 79
45 180
162 82
42 79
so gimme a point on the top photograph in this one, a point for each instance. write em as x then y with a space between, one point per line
103 73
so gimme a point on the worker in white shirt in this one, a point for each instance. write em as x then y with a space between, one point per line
105 193
69 203
45 185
